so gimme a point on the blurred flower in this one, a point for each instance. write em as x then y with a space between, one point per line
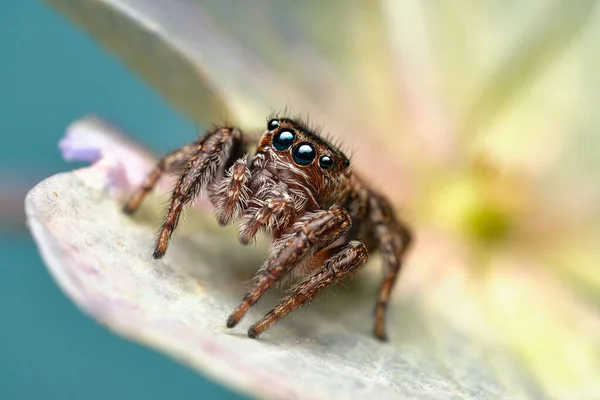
478 120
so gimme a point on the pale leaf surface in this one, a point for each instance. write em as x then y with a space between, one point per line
101 258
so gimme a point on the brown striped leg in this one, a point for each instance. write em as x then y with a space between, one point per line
199 171
336 268
313 232
393 241
171 163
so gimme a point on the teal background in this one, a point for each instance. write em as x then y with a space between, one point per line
52 73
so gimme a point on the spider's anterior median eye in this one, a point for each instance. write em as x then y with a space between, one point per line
325 161
303 153
272 125
283 140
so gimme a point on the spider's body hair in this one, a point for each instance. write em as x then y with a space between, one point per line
280 193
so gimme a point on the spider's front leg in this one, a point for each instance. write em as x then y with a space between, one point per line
393 239
213 152
345 262
312 233
171 163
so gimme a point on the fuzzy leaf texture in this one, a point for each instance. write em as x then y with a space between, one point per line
478 121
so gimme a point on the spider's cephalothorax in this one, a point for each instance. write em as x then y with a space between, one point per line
300 189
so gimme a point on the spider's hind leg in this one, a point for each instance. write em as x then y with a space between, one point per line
393 239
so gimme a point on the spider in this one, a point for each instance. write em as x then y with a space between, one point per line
297 187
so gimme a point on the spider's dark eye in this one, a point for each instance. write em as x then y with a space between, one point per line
303 153
283 140
325 162
272 124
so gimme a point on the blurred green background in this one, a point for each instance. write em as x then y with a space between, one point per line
52 73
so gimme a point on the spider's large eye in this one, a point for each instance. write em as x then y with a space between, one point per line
283 140
272 125
303 153
325 161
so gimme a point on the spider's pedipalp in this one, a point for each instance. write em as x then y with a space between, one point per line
313 232
273 212
230 196
342 264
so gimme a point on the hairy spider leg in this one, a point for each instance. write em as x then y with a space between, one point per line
200 170
345 262
393 240
173 162
313 232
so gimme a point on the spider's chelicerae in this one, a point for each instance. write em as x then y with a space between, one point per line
298 187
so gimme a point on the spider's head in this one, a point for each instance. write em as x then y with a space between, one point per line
301 151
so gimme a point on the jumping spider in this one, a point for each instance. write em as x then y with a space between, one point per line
301 190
